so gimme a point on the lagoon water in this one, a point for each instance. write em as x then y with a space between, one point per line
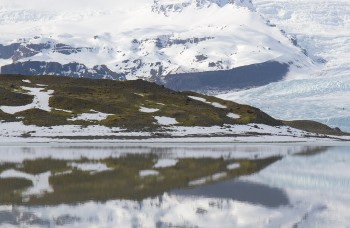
174 185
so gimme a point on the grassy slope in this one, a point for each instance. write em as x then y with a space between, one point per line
122 99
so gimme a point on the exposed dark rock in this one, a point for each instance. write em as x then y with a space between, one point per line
164 42
17 51
200 58
54 68
6 52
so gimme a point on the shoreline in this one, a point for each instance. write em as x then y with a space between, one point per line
183 141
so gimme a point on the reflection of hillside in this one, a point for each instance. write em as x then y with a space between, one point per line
121 179
312 150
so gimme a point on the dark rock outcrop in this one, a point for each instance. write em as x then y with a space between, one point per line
53 68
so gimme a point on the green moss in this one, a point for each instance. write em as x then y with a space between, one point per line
10 98
7 117
42 118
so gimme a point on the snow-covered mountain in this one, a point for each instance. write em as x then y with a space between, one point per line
139 38
254 42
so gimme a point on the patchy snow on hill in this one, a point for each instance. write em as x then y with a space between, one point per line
40 101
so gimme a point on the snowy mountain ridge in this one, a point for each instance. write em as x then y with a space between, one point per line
139 39
167 6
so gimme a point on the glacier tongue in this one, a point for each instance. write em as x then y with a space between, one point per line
322 28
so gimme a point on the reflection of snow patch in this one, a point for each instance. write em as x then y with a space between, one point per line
97 116
163 120
163 163
204 180
233 166
148 110
144 173
94 167
40 181
40 101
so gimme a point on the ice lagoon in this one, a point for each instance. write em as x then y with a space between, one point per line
174 185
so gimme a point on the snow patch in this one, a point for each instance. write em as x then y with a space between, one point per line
215 104
218 105
63 110
233 115
163 120
40 101
199 99
94 116
148 110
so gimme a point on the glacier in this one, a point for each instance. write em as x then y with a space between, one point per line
323 93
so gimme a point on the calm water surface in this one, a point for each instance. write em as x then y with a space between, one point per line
174 185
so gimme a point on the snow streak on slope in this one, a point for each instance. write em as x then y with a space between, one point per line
139 38
323 29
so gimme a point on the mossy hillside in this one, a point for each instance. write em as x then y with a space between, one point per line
312 126
123 100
